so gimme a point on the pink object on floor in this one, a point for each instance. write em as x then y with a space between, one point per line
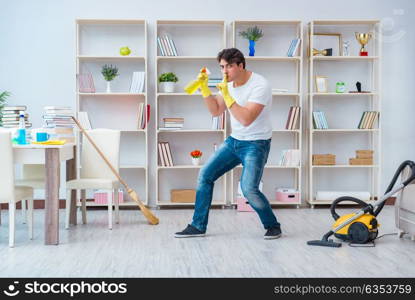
287 196
243 205
100 197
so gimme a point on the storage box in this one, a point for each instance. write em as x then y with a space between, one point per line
183 196
364 153
324 159
287 195
101 196
361 161
242 203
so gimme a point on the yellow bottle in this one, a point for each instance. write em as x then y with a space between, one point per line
192 86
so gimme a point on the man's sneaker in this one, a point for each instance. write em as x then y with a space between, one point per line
272 233
189 231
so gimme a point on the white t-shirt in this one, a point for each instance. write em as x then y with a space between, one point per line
257 90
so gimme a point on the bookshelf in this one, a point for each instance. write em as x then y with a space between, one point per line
197 43
271 54
97 43
344 110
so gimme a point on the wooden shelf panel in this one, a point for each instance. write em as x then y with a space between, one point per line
89 57
343 130
113 94
192 131
342 94
344 58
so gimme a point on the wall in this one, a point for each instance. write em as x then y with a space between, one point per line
37 52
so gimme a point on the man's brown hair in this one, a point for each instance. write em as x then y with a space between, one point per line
232 55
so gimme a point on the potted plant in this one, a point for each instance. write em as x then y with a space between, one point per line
167 82
196 155
3 97
252 34
109 72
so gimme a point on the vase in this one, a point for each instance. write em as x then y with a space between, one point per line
167 87
195 161
251 48
108 86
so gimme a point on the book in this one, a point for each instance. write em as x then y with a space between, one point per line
293 47
165 157
296 117
287 124
160 47
170 44
161 157
169 154
86 83
14 108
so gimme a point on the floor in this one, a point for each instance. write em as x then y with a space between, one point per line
234 247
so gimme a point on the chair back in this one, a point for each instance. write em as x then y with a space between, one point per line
7 167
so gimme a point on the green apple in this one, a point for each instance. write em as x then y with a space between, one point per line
125 51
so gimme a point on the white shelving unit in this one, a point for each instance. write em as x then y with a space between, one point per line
344 110
270 61
197 43
97 43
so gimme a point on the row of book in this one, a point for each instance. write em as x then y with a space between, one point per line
319 120
293 117
137 82
218 123
292 50
143 115
173 123
10 116
368 119
290 158
166 46
165 156
212 82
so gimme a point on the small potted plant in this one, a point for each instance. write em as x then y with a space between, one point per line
109 72
167 82
252 34
196 155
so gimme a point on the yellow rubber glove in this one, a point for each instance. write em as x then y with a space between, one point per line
203 78
223 87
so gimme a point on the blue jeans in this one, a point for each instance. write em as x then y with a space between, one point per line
253 155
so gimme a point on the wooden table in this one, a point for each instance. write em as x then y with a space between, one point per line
51 156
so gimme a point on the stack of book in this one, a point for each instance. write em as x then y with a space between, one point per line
368 119
173 123
292 50
319 120
290 158
137 83
218 122
165 156
363 157
166 46
142 117
10 116
212 82
293 117
59 123
324 159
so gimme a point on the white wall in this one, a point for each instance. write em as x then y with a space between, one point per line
37 51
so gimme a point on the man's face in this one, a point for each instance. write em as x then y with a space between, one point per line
232 71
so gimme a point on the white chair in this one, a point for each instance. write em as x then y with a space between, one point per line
9 193
95 173
33 176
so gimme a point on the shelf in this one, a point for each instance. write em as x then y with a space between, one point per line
345 22
345 58
132 167
192 131
183 94
133 130
185 57
272 58
329 202
87 57
182 167
93 204
344 130
274 167
109 22
345 166
343 94
268 22
112 94
190 22
285 130
165 203
286 94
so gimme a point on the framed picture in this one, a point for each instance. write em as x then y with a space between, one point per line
329 40
321 84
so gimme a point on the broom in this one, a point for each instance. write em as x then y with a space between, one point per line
152 219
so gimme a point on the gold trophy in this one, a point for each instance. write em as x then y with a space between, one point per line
363 39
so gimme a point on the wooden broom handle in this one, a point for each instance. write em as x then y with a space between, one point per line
100 153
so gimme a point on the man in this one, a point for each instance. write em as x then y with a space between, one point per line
248 98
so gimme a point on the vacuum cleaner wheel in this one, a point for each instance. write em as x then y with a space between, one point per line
358 233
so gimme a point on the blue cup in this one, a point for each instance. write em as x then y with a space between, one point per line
42 136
